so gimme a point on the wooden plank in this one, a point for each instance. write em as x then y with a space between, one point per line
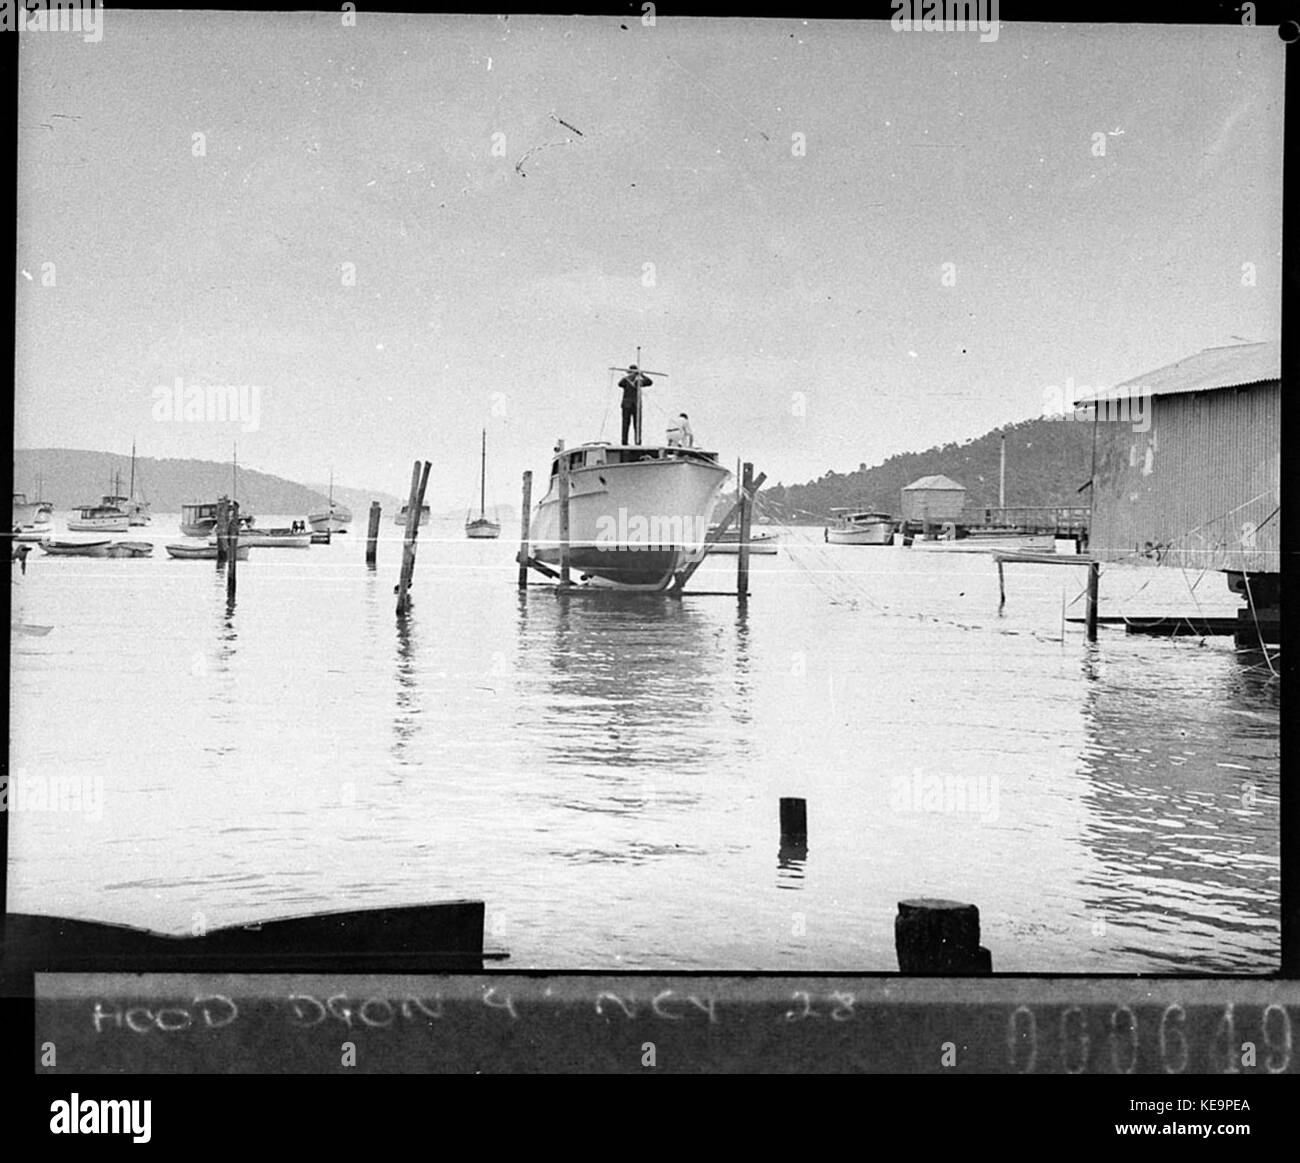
447 933
1044 558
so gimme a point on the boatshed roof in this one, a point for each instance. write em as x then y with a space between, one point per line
935 482
1235 366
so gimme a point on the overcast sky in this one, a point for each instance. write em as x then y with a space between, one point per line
796 297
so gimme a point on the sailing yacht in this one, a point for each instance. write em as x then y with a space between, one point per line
482 527
32 519
137 509
332 519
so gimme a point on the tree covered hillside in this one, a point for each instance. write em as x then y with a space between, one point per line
1047 462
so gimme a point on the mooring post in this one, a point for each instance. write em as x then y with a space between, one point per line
794 821
372 535
1094 578
564 514
526 506
418 484
232 548
938 936
746 515
222 529
1002 587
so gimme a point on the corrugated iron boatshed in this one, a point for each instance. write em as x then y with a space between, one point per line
1186 464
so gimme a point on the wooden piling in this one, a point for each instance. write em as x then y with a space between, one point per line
564 514
939 937
419 482
746 516
372 535
1094 579
232 549
1002 587
794 821
222 529
526 506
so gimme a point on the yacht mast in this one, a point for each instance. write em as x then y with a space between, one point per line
482 480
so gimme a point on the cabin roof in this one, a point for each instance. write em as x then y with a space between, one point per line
935 482
1237 365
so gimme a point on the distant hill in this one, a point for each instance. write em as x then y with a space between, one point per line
1047 461
71 477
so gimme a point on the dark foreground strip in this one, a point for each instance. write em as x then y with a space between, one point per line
634 1023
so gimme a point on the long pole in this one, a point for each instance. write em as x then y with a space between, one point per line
232 550
418 485
372 534
563 483
1094 577
223 529
523 529
131 494
1002 477
482 479
746 512
638 393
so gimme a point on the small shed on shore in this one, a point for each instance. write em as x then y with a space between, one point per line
933 499
1187 463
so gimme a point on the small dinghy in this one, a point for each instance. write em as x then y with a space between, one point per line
75 548
130 549
204 552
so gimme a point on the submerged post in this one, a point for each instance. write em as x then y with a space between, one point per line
523 529
232 548
564 514
937 936
1094 578
746 514
372 534
418 484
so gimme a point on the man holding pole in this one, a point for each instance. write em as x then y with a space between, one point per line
632 383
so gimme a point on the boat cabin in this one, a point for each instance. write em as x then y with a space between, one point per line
600 454
860 516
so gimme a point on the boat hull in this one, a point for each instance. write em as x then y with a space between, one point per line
335 521
99 524
482 530
255 540
75 549
130 549
400 519
203 552
877 533
633 525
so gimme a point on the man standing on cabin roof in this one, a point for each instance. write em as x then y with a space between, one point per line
632 383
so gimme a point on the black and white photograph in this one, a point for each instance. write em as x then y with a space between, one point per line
642 493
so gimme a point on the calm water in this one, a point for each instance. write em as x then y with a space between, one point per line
605 772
